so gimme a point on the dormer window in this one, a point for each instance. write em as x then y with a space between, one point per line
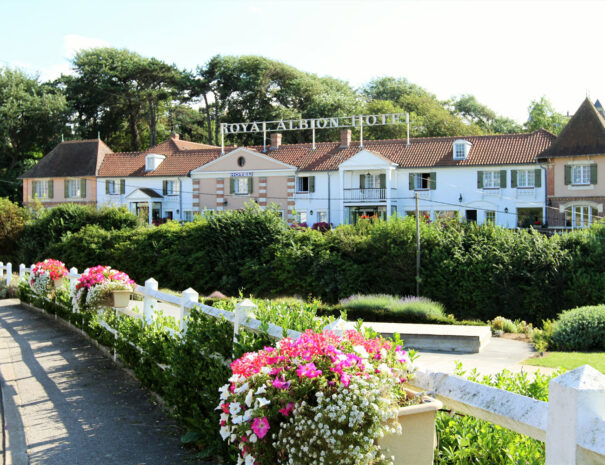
461 149
153 160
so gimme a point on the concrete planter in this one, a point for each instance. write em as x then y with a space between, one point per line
416 446
118 299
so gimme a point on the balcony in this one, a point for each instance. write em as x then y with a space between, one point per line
370 195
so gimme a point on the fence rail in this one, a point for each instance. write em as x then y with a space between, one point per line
571 423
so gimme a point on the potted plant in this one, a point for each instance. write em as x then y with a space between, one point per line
101 286
47 276
322 398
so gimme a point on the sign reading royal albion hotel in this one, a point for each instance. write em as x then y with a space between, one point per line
355 121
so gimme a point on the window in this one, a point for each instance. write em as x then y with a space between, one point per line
241 186
115 186
322 216
422 181
372 181
459 152
490 216
301 217
75 188
188 215
526 178
170 187
42 189
241 161
446 214
110 187
305 184
491 179
580 216
580 175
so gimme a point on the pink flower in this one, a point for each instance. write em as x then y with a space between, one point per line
281 383
308 371
345 379
260 426
287 410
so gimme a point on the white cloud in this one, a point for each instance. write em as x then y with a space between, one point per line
73 43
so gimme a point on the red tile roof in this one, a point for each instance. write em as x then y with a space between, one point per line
173 145
506 149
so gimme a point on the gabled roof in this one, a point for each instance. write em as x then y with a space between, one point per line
144 192
75 158
175 144
584 134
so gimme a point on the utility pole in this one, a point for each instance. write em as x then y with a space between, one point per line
417 247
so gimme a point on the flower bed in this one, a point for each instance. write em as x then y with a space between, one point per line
322 399
45 275
95 287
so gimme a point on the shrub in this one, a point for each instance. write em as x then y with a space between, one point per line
394 309
503 324
581 328
12 225
542 338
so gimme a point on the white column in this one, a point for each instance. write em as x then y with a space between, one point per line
9 273
149 303
189 299
342 196
243 310
150 203
21 271
388 191
1 270
576 413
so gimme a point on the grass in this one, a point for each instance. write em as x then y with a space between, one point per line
570 360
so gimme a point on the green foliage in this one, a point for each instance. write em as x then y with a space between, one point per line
465 439
581 328
503 324
12 226
542 115
395 309
542 338
569 360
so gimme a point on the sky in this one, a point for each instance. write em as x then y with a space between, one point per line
506 53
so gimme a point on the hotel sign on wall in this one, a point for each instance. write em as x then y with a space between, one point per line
335 122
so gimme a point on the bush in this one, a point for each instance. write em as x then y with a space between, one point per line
12 225
394 309
503 324
580 329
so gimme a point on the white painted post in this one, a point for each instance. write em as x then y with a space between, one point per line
149 303
1 269
190 297
576 402
9 273
21 271
338 326
243 310
72 271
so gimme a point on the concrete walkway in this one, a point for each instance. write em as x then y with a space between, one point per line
65 403
498 354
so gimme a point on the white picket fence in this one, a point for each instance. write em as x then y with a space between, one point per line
571 423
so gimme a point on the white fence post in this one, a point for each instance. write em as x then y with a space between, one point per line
1 270
9 273
190 296
149 303
576 406
243 310
21 271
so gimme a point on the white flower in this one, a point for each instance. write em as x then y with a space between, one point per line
237 419
253 438
234 408
383 353
248 414
262 401
266 370
242 388
224 416
250 460
225 431
384 368
361 350
261 390
249 397
224 390
236 378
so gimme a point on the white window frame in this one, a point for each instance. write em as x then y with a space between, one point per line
301 217
322 216
373 181
74 188
187 215
491 179
526 178
241 186
492 214
419 179
111 187
300 181
172 187
459 151
41 189
581 212
580 175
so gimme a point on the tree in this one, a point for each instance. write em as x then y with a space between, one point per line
473 112
32 118
542 115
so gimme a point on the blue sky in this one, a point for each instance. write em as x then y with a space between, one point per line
506 53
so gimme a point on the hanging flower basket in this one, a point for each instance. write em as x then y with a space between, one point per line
47 276
320 399
416 446
101 286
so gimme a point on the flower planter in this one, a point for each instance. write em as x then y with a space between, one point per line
118 299
416 446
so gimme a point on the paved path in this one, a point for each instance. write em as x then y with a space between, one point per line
74 405
498 354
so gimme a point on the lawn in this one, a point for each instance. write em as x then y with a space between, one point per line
570 360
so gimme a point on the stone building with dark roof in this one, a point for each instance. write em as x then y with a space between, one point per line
576 170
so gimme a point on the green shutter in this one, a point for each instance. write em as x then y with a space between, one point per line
66 188
122 186
513 178
164 187
83 188
34 185
362 181
250 184
311 183
232 186
538 178
433 180
502 179
51 189
567 175
411 182
107 186
593 173
479 179
383 181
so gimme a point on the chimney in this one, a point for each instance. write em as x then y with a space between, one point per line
275 140
345 138
175 136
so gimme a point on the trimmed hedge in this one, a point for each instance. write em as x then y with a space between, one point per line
580 329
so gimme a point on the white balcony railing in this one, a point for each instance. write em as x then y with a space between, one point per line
365 195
